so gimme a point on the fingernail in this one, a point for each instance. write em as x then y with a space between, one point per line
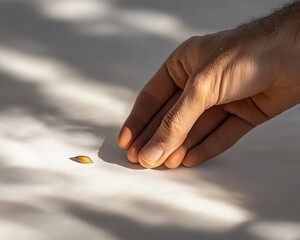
151 153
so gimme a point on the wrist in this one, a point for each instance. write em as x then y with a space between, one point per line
278 36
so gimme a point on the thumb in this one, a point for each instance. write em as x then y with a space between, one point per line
177 123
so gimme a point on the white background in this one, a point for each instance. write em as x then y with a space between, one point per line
69 73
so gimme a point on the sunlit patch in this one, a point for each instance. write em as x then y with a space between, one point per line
74 10
75 113
104 18
208 214
56 80
18 230
23 223
276 230
154 200
150 22
32 140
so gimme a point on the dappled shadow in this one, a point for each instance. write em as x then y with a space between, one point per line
208 15
27 176
16 211
100 58
261 171
123 227
66 87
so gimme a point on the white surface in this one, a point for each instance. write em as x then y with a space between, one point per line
69 73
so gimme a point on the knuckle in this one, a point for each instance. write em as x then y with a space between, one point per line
203 89
192 39
177 71
171 124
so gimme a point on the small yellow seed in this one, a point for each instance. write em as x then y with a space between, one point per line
83 159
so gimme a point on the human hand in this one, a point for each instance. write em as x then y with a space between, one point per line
209 93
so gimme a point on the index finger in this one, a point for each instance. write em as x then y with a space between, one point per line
149 101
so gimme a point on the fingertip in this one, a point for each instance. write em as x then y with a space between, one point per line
171 165
132 155
175 159
189 160
188 164
125 138
146 165
192 159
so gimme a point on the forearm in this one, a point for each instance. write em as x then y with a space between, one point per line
278 36
284 22
271 45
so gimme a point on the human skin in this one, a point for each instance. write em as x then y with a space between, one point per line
214 89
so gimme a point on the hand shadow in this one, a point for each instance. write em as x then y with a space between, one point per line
111 153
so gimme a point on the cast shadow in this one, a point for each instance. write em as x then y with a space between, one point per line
257 185
111 153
